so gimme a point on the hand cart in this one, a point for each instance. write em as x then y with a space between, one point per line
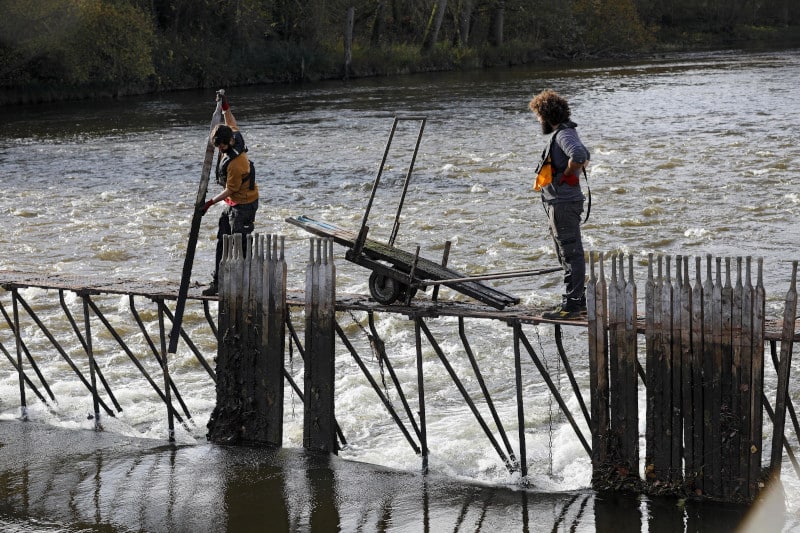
398 274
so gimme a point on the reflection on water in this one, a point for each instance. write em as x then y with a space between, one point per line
56 480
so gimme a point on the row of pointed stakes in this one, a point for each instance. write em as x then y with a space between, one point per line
704 374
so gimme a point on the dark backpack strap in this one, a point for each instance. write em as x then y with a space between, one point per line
588 197
252 176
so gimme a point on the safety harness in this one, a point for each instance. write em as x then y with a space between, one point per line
563 179
237 148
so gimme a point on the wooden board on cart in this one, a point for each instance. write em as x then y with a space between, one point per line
394 263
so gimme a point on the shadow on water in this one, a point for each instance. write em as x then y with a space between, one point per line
66 480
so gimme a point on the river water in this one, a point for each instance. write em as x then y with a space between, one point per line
693 154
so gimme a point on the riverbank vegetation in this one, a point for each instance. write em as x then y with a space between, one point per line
62 49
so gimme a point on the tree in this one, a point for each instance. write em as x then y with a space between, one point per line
74 43
497 21
609 25
434 24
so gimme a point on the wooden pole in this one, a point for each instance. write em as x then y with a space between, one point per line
597 315
757 389
273 337
319 424
715 311
698 385
746 383
676 374
194 231
651 361
687 372
631 378
726 413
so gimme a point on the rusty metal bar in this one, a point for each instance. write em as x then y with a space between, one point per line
375 386
24 375
378 344
90 353
485 391
81 339
786 445
784 369
165 368
570 375
554 391
523 455
789 403
21 347
192 346
396 226
421 391
485 277
445 259
23 404
155 351
65 356
210 319
465 395
130 354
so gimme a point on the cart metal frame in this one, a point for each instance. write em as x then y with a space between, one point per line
397 274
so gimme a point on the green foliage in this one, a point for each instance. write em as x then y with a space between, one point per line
610 26
75 43
123 46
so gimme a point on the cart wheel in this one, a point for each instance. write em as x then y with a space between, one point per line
384 289
408 292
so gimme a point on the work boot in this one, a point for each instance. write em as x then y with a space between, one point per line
212 289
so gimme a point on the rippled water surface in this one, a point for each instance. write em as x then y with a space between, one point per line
695 155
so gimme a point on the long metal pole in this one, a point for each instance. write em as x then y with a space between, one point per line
485 390
165 370
396 225
362 235
377 389
460 386
523 455
66 357
421 387
499 275
22 401
90 353
79 335
554 391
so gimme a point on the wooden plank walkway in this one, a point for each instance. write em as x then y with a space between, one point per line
101 284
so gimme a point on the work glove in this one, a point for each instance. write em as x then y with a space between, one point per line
206 206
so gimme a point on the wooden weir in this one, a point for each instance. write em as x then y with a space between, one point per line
704 335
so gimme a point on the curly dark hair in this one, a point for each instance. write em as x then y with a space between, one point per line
222 135
552 107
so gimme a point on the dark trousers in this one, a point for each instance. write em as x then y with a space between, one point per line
238 218
565 228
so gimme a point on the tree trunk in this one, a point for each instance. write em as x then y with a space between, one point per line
496 27
377 24
464 22
434 23
348 41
